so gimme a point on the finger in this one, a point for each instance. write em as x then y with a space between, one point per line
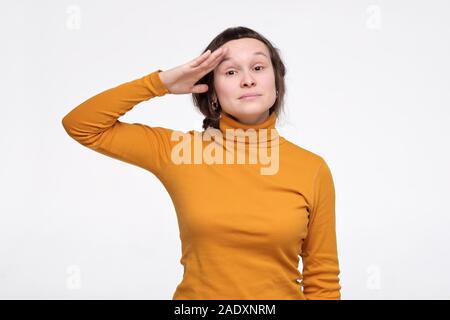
218 53
211 65
214 58
199 60
200 88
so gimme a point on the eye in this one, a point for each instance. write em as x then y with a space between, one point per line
228 72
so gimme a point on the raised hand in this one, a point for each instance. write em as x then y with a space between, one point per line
182 79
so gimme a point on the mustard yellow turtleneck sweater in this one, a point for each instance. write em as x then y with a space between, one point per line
242 229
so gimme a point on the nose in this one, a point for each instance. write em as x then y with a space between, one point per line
248 81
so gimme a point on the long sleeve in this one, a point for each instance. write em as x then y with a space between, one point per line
94 124
319 250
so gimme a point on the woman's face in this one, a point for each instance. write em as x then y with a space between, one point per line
245 69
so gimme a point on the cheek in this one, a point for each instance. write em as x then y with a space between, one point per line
225 89
268 80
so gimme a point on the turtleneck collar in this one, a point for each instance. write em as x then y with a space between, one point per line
264 132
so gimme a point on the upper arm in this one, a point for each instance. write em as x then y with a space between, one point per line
135 143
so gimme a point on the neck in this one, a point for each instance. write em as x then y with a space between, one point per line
250 120
262 132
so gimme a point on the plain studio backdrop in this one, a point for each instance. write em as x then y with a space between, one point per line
368 89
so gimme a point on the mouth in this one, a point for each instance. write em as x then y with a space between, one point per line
250 97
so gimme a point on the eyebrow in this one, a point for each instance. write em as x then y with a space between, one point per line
255 53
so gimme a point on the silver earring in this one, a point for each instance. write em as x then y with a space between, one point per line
277 93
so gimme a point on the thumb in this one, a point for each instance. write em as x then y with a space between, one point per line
200 88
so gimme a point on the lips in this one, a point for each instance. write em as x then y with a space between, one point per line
248 95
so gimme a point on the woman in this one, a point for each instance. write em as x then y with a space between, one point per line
242 228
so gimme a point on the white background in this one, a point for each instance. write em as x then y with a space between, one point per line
368 89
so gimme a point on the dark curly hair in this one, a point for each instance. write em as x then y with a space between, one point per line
203 100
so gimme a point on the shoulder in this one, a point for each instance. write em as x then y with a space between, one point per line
302 156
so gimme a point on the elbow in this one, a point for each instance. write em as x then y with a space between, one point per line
78 132
66 124
74 131
69 126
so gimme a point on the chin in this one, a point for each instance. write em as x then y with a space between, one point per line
245 114
249 110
